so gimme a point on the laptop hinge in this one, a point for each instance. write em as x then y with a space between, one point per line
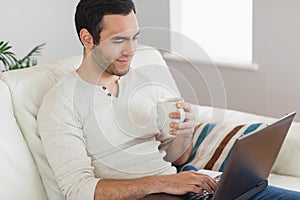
261 186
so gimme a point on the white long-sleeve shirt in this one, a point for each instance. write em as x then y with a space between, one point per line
88 135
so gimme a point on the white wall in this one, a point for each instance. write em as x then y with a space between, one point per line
153 14
273 90
26 24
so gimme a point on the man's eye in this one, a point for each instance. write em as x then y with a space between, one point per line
118 41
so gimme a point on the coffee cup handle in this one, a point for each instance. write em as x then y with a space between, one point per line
182 115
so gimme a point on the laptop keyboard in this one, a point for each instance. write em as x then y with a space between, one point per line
196 196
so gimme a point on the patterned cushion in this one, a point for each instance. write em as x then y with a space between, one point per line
213 143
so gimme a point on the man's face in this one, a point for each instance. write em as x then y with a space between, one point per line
118 40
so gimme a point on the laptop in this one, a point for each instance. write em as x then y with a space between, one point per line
249 164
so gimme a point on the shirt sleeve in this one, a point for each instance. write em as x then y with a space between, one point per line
62 137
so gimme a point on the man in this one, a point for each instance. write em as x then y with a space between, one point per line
94 149
90 156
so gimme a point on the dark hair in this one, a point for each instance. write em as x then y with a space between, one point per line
89 14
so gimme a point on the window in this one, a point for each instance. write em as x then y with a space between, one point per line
222 28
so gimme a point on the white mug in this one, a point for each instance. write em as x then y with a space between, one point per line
164 108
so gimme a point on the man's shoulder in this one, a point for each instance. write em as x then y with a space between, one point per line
62 89
57 105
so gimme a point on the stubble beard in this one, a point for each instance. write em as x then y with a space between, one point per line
111 69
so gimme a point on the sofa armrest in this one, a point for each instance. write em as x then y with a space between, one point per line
18 172
287 162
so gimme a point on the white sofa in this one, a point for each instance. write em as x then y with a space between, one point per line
25 173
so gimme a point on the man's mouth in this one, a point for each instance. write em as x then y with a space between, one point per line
123 61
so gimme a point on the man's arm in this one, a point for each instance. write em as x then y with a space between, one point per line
184 157
177 184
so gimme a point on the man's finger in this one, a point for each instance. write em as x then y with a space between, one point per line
185 106
185 125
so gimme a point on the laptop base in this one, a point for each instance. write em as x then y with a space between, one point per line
260 187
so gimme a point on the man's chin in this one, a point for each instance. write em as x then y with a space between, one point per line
122 73
121 69
118 72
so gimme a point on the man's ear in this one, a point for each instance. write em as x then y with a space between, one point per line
86 39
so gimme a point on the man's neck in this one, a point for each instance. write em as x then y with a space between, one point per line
93 75
110 82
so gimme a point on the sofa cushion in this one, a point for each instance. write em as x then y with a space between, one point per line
19 177
213 143
283 181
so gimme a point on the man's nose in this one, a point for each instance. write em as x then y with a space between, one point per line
129 49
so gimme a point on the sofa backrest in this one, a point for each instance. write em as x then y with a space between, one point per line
19 177
27 89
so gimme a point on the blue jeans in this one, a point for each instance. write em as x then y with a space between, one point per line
275 193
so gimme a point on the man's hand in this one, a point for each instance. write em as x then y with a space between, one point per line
181 147
190 181
187 127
